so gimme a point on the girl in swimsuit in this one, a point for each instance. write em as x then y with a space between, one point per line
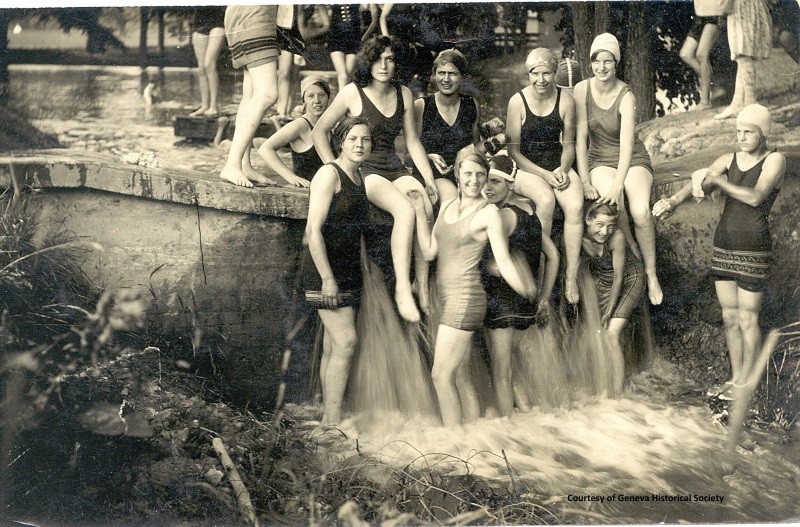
461 231
750 180
337 213
315 93
388 108
540 125
447 121
207 41
616 160
509 314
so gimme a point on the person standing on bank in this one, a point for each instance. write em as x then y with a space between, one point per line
616 160
315 93
540 125
389 109
696 51
337 214
461 232
447 121
207 41
750 180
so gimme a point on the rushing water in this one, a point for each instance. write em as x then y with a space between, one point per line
657 441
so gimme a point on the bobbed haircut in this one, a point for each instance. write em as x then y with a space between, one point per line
450 56
596 209
369 54
470 156
343 128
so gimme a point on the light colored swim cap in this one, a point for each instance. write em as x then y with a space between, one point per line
756 115
606 42
311 80
541 57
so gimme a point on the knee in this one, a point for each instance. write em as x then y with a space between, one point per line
730 317
441 377
747 320
264 99
210 66
573 211
686 55
641 216
703 56
344 343
403 213
201 69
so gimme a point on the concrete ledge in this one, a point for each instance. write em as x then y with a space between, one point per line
44 169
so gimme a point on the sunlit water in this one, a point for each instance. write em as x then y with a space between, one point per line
658 438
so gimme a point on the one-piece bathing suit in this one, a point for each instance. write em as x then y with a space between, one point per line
742 240
633 281
457 273
438 137
341 231
540 137
506 308
305 164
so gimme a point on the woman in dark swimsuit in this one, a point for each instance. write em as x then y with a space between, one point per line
389 109
540 125
447 121
750 180
461 232
207 41
337 214
508 314
315 93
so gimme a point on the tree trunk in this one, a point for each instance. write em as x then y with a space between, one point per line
5 18
638 70
144 22
582 26
601 22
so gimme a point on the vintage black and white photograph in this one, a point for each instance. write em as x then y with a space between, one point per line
411 264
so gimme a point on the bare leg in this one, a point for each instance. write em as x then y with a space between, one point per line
285 65
687 54
326 355
571 201
707 40
638 184
341 326
421 267
500 343
728 300
258 94
749 308
470 407
215 40
537 190
387 197
521 400
744 88
340 65
614 332
200 46
452 345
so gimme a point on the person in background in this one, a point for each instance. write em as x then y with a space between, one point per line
750 180
251 33
345 37
315 93
447 121
696 51
786 22
207 41
611 159
750 39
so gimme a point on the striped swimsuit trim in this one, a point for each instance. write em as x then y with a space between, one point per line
743 264
241 49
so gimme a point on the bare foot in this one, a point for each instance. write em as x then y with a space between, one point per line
235 176
211 112
571 291
654 290
257 177
406 306
198 112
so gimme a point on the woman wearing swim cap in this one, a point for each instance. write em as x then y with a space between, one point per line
616 160
750 180
315 93
540 124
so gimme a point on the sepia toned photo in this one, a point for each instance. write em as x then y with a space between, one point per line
412 264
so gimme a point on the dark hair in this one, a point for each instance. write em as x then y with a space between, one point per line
606 209
343 128
325 87
594 55
369 54
450 56
503 163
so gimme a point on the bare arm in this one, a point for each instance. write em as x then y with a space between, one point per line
568 115
338 109
490 219
617 246
551 266
772 174
582 140
278 140
323 187
664 207
414 145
